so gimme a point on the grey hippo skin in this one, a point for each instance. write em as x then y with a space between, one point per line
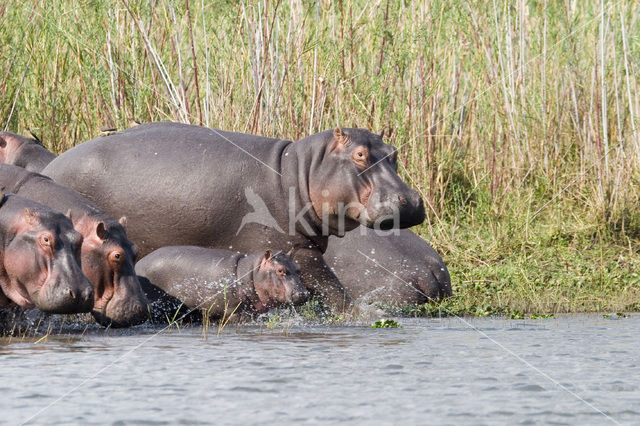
180 184
39 259
400 269
107 255
218 282
24 152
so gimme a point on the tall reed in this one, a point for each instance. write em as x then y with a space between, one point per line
516 120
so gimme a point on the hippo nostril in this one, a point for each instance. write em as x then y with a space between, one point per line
72 294
87 293
401 199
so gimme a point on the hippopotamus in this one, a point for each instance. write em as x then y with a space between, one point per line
107 255
39 259
24 152
218 282
181 184
395 268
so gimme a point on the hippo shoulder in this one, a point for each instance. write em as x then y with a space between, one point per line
86 158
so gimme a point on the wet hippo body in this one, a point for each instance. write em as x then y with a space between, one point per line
107 255
24 152
180 184
39 259
218 282
395 269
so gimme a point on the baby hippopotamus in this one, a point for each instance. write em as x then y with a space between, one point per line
219 282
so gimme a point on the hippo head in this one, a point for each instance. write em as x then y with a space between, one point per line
9 145
276 282
107 260
356 182
42 264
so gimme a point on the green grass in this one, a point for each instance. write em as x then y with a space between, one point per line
516 120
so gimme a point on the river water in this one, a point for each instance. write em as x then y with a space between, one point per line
568 370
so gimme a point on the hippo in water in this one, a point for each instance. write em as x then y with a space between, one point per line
180 184
218 282
39 259
107 255
24 152
396 268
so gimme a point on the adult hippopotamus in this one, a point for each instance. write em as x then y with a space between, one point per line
397 268
218 282
39 259
180 184
24 152
107 255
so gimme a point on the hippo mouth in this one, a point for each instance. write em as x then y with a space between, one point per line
130 316
260 307
106 321
20 297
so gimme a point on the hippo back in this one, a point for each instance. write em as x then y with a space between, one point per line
24 152
398 269
177 184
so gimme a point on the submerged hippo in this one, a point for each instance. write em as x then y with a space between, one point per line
39 259
24 152
218 281
399 269
180 184
107 255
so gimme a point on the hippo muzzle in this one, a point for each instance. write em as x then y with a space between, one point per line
392 205
126 308
296 293
65 291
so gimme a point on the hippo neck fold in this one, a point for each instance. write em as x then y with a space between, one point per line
244 278
299 161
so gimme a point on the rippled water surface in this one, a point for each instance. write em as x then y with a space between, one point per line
573 370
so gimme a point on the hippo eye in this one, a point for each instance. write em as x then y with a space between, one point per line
116 256
361 157
281 271
46 241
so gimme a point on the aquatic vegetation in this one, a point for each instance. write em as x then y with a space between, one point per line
385 323
541 316
517 315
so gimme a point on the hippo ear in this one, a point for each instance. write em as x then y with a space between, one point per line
3 142
69 215
340 140
30 217
101 231
266 260
382 133
123 221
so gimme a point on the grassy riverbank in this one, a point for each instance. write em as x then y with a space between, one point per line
517 120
